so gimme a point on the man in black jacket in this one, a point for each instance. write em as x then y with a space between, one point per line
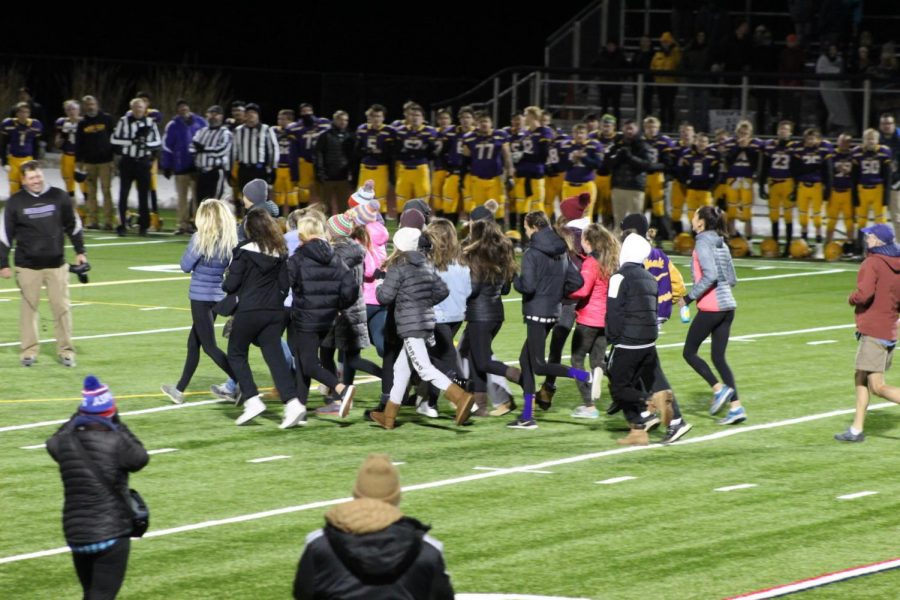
369 550
334 162
631 329
96 521
37 219
94 158
630 161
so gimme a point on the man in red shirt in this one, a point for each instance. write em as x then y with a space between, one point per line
877 299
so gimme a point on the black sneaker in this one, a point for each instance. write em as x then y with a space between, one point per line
544 397
613 408
650 422
676 432
520 424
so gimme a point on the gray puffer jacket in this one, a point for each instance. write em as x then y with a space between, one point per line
351 330
413 287
91 513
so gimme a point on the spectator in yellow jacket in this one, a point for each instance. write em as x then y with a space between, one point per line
667 58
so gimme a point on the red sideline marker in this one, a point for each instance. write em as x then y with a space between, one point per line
807 584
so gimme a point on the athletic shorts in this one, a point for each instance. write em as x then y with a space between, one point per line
872 356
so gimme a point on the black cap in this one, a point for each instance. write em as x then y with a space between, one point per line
215 108
635 221
252 106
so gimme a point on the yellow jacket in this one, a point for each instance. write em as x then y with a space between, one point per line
666 62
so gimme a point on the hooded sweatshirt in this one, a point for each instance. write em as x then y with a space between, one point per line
369 550
877 293
259 280
631 303
547 275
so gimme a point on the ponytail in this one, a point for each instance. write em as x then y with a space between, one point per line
714 219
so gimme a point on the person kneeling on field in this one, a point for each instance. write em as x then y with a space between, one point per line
875 299
369 549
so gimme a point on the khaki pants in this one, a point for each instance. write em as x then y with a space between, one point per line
185 185
56 281
626 202
335 194
103 172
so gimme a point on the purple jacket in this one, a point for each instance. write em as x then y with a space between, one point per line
176 147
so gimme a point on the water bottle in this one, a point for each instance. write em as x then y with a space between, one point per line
685 314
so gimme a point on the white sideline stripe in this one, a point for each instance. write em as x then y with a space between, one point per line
107 283
373 379
93 246
466 478
35 447
502 469
731 488
820 342
512 597
268 458
5 300
806 584
162 451
763 278
155 308
112 335
856 495
616 480
768 268
397 464
80 304
143 411
109 237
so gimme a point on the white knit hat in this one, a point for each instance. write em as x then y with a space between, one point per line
406 239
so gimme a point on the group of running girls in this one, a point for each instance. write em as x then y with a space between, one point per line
330 283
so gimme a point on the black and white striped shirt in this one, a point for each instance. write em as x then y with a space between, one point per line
255 146
216 152
137 138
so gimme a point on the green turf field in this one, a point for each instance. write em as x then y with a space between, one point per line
538 523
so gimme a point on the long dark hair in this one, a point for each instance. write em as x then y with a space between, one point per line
714 219
261 228
489 254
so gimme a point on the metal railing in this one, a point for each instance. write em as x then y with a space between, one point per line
572 93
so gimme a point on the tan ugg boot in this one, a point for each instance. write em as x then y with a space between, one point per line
635 437
387 418
463 401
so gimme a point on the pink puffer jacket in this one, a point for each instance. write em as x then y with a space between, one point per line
376 254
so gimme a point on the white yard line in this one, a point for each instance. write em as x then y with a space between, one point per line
101 336
725 433
35 447
856 495
117 282
268 458
821 342
92 247
615 480
814 582
149 308
731 488
162 451
502 469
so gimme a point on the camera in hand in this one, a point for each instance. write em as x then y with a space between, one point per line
81 270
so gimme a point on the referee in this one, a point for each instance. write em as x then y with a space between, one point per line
211 148
137 137
254 149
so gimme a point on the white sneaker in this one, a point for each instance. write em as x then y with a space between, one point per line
253 407
347 401
820 252
427 411
323 389
172 393
596 384
294 412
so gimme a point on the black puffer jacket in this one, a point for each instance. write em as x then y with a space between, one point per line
91 513
259 280
631 304
485 304
371 552
351 329
322 285
547 275
630 161
413 287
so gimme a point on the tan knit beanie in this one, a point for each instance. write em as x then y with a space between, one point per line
378 479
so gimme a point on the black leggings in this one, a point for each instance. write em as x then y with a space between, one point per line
718 326
202 335
589 342
532 358
101 574
629 369
309 367
352 361
261 327
558 338
478 339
